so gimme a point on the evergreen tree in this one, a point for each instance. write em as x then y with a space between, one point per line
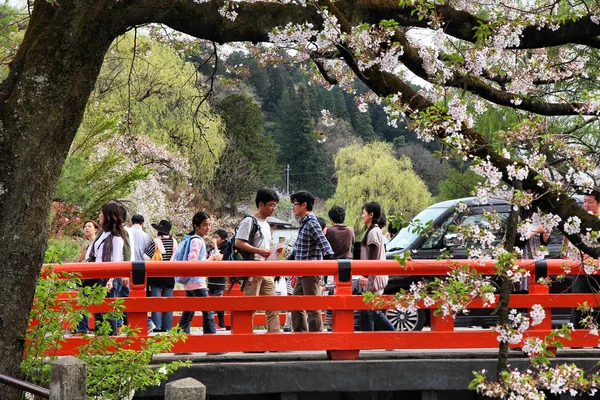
339 104
361 122
259 79
283 123
273 94
299 145
245 129
379 122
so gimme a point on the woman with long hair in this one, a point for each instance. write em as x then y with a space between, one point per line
196 286
108 246
372 248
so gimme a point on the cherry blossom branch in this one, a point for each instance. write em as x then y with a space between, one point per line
414 62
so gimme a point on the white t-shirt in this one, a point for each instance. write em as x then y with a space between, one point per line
263 242
117 250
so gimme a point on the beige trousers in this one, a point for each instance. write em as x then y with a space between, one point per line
264 286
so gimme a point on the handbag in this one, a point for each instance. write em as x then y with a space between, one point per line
159 250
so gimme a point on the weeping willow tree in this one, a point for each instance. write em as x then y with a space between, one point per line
371 173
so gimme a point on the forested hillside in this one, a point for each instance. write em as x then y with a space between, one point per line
167 138
293 117
309 123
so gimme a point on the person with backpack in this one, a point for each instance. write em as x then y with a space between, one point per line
216 284
162 248
253 238
193 248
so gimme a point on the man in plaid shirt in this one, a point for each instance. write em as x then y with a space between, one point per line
311 244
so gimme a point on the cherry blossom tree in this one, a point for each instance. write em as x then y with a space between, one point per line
537 57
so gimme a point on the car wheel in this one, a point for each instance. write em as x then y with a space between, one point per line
405 320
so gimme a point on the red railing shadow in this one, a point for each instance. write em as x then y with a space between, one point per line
342 342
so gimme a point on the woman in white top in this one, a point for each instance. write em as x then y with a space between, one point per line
108 246
372 248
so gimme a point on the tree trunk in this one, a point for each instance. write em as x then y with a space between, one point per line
506 284
42 102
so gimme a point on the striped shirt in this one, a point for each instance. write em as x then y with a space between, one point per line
168 245
167 282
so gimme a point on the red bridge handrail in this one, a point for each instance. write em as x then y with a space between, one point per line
297 268
342 341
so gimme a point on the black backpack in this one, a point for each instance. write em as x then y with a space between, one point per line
237 254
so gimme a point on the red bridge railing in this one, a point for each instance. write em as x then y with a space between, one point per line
342 342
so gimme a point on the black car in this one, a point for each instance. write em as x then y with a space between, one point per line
444 218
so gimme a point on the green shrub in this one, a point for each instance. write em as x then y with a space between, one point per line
114 372
64 250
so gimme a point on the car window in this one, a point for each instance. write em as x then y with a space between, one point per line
481 221
436 238
409 234
464 221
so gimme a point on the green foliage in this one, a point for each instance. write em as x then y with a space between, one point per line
116 375
164 102
482 31
114 371
245 128
300 146
94 173
361 122
145 118
495 120
12 30
371 173
458 184
249 159
388 24
64 250
279 87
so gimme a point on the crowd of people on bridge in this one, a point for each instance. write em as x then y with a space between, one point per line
112 240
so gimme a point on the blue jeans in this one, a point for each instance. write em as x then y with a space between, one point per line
208 320
220 314
162 320
368 319
120 291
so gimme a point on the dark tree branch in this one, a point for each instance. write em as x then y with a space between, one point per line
411 59
330 79
256 19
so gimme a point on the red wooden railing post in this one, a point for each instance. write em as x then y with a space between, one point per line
441 324
137 320
342 321
541 271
